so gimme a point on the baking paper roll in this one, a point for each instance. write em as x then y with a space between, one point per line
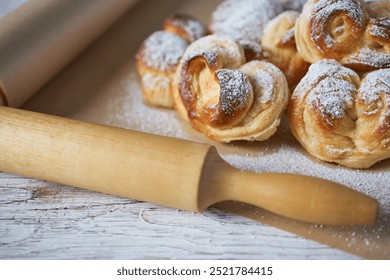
39 38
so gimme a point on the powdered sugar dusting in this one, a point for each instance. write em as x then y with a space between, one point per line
372 58
379 28
192 27
330 88
214 47
288 36
375 87
162 50
234 90
332 150
151 81
331 96
322 69
210 57
263 83
323 10
129 111
243 19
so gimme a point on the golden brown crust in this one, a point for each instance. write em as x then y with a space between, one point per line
254 50
159 55
338 117
186 27
156 62
279 41
343 30
226 98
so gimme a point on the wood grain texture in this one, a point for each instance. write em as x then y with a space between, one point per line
41 220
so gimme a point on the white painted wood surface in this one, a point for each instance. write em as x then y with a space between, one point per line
41 220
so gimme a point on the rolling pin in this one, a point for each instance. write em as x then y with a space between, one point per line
162 170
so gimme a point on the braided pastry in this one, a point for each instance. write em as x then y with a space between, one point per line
279 41
159 55
338 117
225 98
344 31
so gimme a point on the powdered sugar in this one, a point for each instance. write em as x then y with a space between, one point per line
380 28
331 96
366 56
332 150
375 84
150 81
192 27
375 88
235 90
210 57
127 109
322 12
243 19
162 50
215 47
288 36
330 88
322 69
263 82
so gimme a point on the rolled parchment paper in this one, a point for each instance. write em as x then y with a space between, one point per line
41 37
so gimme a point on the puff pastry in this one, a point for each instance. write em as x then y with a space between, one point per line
279 41
159 55
338 117
254 50
187 27
226 98
344 31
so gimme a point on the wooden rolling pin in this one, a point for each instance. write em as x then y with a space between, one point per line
162 170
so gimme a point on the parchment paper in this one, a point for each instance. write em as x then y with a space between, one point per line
102 86
40 37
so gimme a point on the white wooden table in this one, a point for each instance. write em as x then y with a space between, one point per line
43 220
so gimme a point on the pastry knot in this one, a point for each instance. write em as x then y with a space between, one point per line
344 31
339 117
159 56
226 98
